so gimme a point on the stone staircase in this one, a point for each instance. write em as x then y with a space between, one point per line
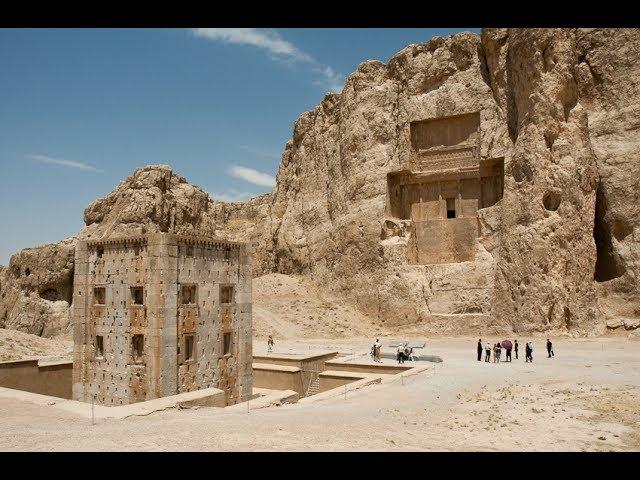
314 387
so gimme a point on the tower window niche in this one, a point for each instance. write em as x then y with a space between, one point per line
188 347
137 295
137 348
99 346
226 294
451 208
227 343
99 295
188 294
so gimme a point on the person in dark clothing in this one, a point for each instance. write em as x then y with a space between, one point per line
508 358
529 352
550 349
479 349
516 348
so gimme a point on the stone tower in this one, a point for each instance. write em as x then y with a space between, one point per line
161 314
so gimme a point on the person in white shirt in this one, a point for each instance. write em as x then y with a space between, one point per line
529 352
376 351
401 353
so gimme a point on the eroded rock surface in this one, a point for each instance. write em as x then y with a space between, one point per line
36 290
558 252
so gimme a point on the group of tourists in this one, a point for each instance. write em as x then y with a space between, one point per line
405 352
508 346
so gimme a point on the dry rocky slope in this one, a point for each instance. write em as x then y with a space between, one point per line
558 253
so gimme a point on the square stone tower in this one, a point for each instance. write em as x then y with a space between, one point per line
161 314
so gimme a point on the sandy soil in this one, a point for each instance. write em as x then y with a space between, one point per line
15 345
585 398
290 306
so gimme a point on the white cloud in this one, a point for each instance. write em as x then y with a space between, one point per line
260 152
231 195
252 176
275 45
65 163
330 79
266 39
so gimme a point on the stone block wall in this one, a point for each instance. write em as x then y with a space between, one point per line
158 327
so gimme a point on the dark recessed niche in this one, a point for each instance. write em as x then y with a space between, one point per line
551 201
609 265
51 294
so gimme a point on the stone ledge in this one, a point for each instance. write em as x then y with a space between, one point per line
274 367
211 397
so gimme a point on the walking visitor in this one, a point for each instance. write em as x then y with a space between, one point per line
376 351
401 353
550 349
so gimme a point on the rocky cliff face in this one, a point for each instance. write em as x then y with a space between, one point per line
36 289
608 89
559 251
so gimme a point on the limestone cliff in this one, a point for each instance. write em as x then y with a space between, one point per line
558 252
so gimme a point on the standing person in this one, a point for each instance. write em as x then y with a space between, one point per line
508 357
528 352
401 353
516 347
270 344
550 349
407 352
479 349
487 351
376 350
498 352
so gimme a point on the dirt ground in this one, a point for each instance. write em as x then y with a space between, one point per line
290 306
15 345
586 398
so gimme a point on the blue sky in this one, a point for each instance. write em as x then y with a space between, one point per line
80 109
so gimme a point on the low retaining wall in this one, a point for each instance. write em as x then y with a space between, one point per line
267 398
309 366
277 377
331 379
47 378
209 397
366 367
